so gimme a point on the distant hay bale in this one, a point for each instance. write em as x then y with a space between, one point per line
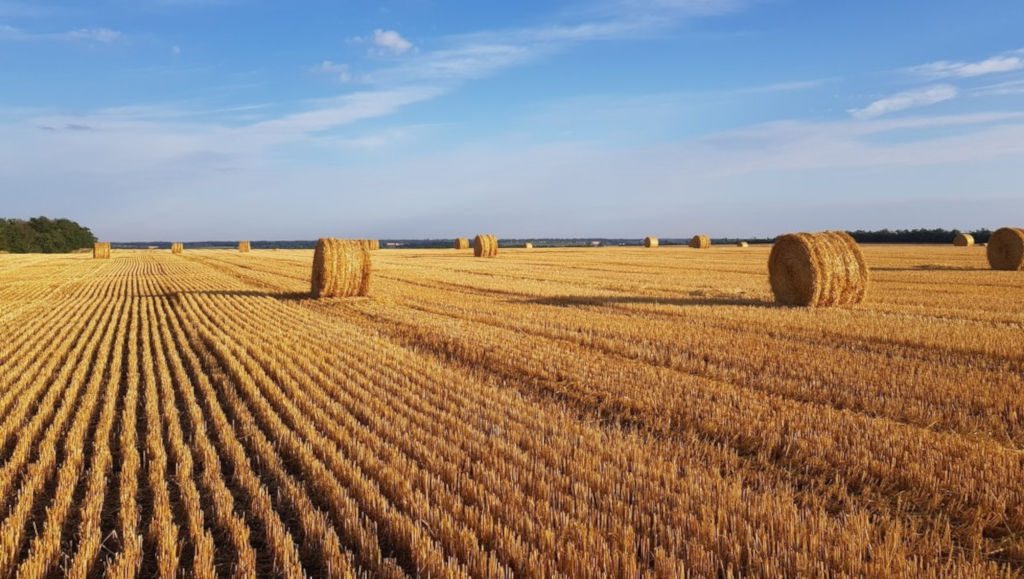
461 243
1006 249
244 246
341 268
177 247
101 250
743 244
963 240
528 245
817 269
485 246
650 241
700 242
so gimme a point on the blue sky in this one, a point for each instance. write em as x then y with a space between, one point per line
224 119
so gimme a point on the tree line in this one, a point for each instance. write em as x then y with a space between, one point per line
43 235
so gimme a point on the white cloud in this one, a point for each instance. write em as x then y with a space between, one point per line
949 69
391 41
337 70
103 35
906 100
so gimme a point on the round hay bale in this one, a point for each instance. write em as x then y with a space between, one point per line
528 245
485 246
177 247
963 240
817 269
341 268
743 244
1006 249
650 242
370 244
700 242
101 250
461 243
244 247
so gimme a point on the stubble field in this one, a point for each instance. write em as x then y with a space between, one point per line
548 412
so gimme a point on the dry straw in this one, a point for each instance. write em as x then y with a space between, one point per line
177 247
244 246
461 243
485 246
963 240
528 245
101 250
650 241
370 244
700 242
817 269
341 268
743 244
1006 249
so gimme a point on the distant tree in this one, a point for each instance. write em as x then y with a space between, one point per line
43 235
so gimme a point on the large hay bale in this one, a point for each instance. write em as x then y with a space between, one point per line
370 244
528 245
461 243
650 241
101 250
485 246
700 242
743 244
177 247
817 269
963 240
341 268
1006 249
244 246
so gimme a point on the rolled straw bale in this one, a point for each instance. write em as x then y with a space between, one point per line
485 246
461 243
700 242
341 268
817 269
528 245
374 244
963 240
1006 249
177 247
101 250
743 244
244 246
650 241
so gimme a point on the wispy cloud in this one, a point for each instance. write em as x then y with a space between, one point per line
100 35
906 100
951 69
337 70
391 41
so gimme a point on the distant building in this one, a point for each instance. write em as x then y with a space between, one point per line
595 243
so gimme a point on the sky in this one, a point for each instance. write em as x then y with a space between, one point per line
194 120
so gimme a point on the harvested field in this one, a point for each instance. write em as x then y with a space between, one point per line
559 412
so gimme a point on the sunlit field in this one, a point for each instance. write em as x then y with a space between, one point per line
546 412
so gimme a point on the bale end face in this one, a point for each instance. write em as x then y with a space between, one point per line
700 242
650 241
461 243
341 268
743 244
101 250
817 269
528 245
963 240
485 246
1005 249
